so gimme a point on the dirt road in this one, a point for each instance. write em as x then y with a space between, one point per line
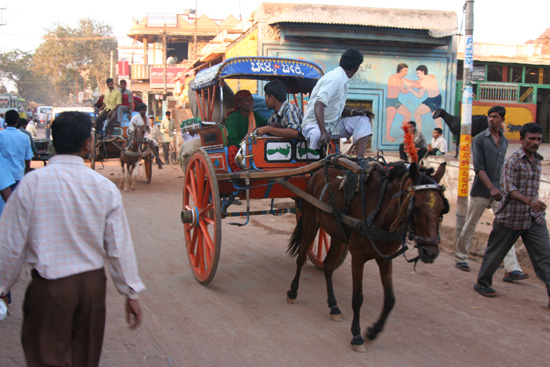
242 318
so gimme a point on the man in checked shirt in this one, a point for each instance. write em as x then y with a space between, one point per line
68 222
520 213
287 117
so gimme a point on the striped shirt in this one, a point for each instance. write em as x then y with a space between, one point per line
66 219
289 116
520 174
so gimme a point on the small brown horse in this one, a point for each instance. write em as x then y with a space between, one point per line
396 202
130 155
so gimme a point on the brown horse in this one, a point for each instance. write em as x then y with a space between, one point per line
394 202
130 155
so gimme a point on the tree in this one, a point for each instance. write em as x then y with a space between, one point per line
16 67
76 58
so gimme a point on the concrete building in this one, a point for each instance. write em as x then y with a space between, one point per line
388 38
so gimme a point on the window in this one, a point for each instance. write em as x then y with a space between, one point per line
532 75
495 73
546 76
514 74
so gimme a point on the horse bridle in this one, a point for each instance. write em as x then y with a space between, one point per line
424 241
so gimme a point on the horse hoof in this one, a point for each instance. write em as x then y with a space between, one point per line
359 348
290 300
336 318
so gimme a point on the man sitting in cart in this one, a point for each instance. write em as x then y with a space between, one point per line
237 123
287 117
139 120
327 105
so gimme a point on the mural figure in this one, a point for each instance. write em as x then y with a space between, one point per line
397 84
426 84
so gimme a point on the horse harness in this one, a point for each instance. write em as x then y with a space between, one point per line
401 228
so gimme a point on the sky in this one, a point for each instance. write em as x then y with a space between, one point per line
26 20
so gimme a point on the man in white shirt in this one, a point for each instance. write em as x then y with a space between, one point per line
327 104
139 120
67 221
438 145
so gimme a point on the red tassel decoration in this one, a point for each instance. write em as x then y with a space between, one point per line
408 142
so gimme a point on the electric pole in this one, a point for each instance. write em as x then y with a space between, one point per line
466 121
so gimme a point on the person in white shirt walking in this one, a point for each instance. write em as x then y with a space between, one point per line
67 221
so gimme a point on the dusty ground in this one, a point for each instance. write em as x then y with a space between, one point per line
242 318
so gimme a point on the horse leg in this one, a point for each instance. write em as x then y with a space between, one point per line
385 269
335 251
123 180
134 176
357 264
306 238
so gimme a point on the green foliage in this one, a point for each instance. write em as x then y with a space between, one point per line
75 58
16 66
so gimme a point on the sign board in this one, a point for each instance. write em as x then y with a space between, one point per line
162 19
478 74
123 70
156 78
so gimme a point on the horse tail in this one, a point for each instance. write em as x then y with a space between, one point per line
296 239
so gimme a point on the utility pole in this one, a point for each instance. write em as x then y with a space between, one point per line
164 55
111 66
466 121
196 29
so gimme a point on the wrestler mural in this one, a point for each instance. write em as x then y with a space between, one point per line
411 99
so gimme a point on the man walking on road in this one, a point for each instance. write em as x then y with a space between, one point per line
488 150
67 221
520 214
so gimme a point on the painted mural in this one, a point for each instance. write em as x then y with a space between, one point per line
399 89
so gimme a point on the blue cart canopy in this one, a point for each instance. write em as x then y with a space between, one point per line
299 76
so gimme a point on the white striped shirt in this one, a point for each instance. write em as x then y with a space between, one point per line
66 219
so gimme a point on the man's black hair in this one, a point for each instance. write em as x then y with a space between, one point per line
439 130
141 106
498 109
277 89
412 123
168 113
423 68
531 127
70 130
109 80
401 66
351 59
12 117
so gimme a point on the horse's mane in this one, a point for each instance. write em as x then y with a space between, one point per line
397 170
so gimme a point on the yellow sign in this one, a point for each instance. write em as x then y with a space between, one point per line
464 165
248 46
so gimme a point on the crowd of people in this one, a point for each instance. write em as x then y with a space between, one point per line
68 255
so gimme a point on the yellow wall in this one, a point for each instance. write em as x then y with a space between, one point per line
516 116
248 46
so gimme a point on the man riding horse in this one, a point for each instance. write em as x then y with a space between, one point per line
138 121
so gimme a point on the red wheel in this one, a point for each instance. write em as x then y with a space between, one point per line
148 165
203 236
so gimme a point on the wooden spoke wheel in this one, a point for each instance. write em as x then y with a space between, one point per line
148 167
203 235
318 250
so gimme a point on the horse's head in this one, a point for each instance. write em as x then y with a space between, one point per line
137 138
426 207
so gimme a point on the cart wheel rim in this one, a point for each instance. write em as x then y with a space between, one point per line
203 236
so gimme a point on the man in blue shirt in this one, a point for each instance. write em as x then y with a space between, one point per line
15 147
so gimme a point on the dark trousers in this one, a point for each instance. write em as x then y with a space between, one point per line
536 241
64 320
166 151
403 156
110 123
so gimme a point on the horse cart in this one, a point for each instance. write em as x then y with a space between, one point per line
103 149
368 207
